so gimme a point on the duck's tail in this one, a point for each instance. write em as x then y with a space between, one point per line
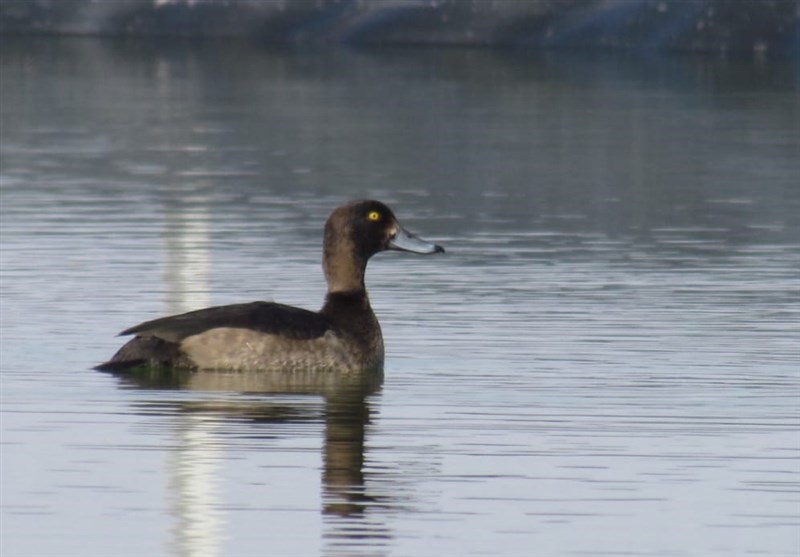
144 351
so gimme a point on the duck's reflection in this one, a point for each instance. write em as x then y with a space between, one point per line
198 499
343 472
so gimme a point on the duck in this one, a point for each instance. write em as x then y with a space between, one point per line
343 336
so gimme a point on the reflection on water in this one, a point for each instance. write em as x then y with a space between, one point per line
193 486
605 362
198 499
187 268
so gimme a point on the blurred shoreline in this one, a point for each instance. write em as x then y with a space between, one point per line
762 27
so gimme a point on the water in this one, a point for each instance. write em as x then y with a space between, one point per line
604 363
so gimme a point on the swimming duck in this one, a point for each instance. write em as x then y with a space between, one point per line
343 336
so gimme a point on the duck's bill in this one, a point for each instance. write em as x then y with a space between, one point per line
404 240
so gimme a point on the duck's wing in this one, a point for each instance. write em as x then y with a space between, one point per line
264 317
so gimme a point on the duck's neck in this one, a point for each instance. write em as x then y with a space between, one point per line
353 318
351 311
344 269
347 303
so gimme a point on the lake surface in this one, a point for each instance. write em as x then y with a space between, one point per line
605 362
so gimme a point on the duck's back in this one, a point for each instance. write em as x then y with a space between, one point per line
263 317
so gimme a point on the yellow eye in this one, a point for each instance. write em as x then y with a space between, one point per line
374 216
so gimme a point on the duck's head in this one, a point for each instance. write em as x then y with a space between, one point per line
357 231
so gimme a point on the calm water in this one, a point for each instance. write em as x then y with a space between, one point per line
604 363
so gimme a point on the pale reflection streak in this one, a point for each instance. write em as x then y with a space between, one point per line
194 491
188 259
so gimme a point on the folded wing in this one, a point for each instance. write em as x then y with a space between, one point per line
158 342
264 317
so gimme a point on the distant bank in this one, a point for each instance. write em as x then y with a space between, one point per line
760 26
